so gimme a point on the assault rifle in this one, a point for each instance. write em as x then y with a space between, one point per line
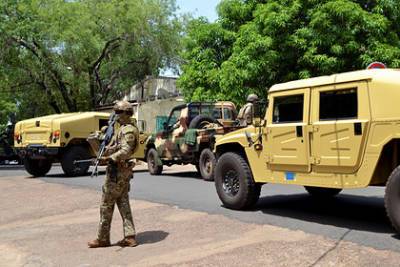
107 138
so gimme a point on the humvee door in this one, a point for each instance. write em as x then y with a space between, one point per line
287 138
339 124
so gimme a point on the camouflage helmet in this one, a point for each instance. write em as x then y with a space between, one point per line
123 106
252 98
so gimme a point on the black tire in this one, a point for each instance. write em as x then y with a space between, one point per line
207 164
200 121
37 167
321 192
392 198
234 182
152 159
70 156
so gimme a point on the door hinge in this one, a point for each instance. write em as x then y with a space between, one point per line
315 128
269 159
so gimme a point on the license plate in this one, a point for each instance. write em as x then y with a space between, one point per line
36 136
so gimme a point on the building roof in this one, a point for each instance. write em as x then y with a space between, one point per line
362 75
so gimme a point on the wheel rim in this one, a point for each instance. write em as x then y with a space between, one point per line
204 124
230 183
207 165
78 167
152 162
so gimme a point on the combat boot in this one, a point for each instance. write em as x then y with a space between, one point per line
98 244
128 241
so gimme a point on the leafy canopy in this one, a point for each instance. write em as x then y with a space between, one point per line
64 56
255 44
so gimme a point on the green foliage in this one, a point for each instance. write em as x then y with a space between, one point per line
268 42
63 56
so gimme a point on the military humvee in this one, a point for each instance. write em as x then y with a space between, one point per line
326 134
189 135
61 138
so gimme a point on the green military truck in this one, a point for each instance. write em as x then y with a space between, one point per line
188 137
42 141
326 134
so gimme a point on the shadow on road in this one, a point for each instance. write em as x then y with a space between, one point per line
193 175
62 175
346 211
151 237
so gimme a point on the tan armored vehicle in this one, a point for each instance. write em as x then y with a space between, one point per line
63 138
326 134
57 138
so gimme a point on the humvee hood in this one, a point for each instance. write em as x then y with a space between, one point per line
67 116
238 136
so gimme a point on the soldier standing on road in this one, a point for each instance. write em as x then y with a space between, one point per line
118 174
246 113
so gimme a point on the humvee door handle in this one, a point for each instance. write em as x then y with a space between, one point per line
299 131
357 128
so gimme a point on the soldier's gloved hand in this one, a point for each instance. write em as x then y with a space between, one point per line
105 160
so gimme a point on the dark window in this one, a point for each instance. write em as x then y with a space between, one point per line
338 105
102 122
228 114
288 109
174 117
217 113
193 112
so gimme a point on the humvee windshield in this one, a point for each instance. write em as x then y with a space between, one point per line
174 117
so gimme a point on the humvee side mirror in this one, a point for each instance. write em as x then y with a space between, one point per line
165 126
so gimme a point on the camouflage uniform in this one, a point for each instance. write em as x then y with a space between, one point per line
117 184
118 174
246 113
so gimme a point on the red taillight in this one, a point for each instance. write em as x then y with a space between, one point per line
56 134
17 137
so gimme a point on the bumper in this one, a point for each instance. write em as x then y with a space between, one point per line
37 151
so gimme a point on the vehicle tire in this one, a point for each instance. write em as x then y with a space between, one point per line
207 164
322 192
37 167
200 121
72 154
152 159
234 182
392 198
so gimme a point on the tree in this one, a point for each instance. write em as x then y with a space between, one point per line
268 42
66 56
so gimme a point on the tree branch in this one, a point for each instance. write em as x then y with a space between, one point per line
44 58
95 80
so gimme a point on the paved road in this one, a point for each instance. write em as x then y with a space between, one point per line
355 215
